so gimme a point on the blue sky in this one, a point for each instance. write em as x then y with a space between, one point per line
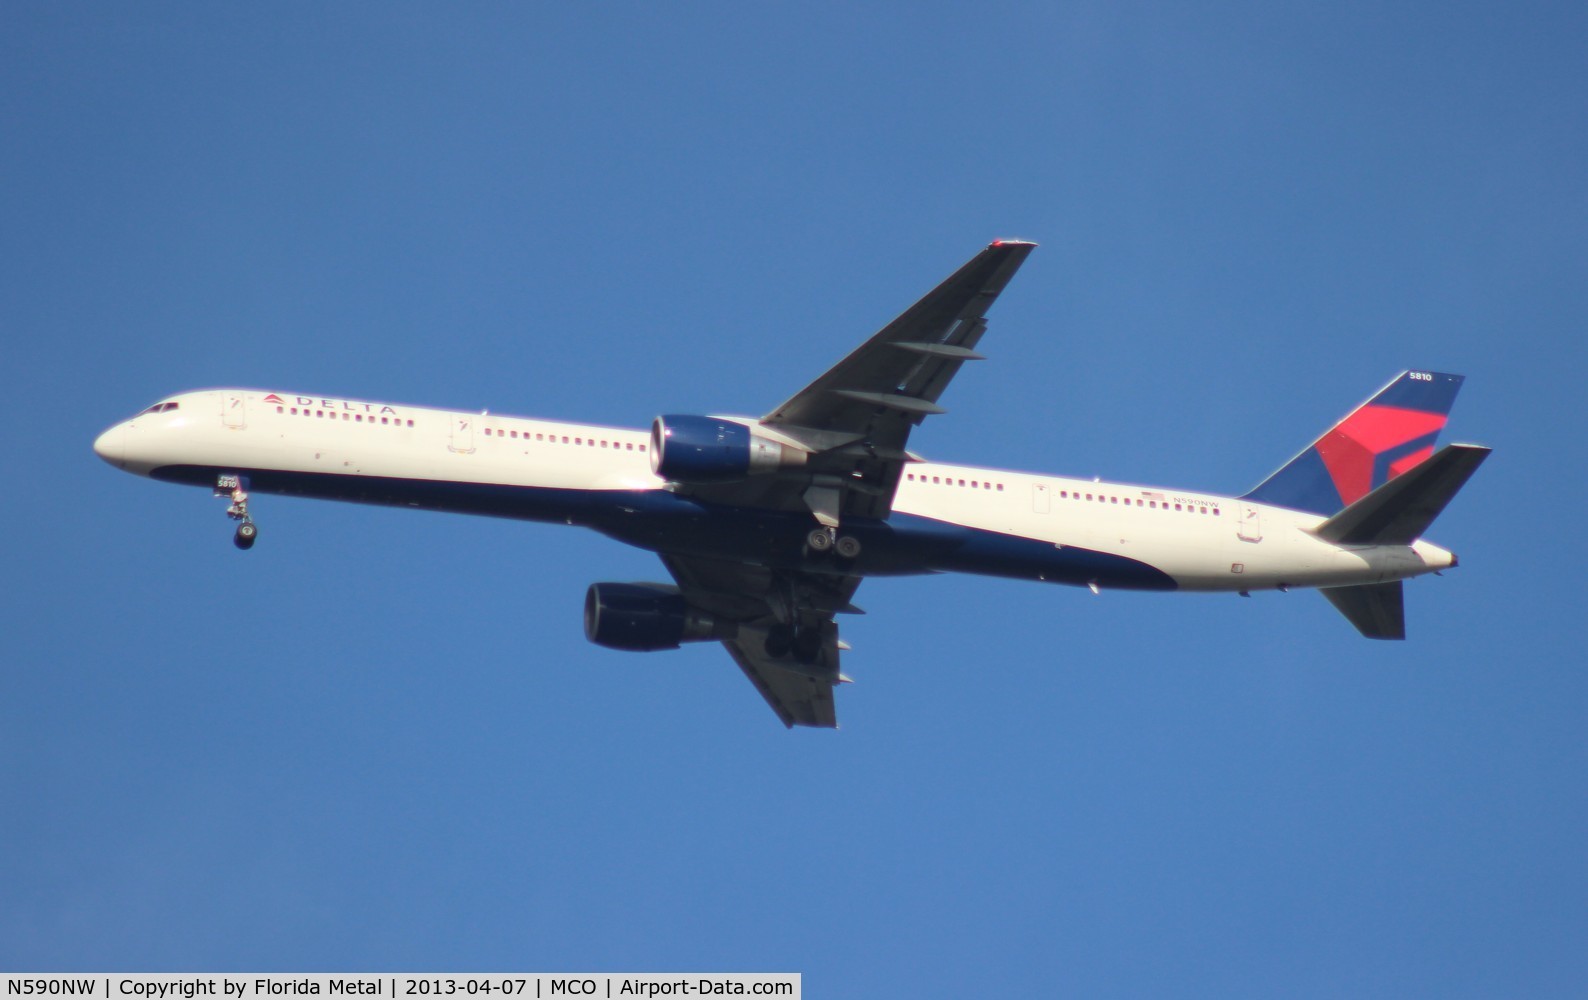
380 741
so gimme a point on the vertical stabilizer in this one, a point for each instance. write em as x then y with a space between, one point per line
1389 434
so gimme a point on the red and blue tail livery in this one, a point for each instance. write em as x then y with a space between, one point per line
1388 435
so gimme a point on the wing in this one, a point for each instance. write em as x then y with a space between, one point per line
856 419
786 642
853 424
893 381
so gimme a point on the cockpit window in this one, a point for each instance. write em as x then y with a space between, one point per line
160 408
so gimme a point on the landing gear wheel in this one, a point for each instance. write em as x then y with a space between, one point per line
819 540
233 487
779 640
848 547
247 532
807 645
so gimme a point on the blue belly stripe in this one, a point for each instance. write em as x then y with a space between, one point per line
661 521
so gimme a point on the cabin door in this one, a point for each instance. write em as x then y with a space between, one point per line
1249 522
1041 498
462 433
233 409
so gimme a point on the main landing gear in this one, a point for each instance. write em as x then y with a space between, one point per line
234 489
828 540
802 641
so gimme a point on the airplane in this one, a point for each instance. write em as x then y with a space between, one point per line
768 525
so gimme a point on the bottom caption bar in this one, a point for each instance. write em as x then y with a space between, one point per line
404 986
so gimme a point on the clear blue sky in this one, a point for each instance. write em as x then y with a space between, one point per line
380 741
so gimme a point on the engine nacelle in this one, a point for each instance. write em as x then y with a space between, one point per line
641 617
688 449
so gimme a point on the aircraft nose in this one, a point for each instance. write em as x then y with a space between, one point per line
112 446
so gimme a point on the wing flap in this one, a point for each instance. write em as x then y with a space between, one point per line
798 698
913 357
759 600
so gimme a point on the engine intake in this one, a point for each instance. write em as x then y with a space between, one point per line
641 617
689 449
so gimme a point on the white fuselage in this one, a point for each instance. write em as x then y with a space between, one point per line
578 473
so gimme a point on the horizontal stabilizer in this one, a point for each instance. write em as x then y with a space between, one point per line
1378 610
1398 512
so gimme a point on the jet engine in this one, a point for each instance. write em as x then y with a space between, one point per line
688 449
642 617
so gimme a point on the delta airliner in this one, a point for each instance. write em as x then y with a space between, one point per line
768 525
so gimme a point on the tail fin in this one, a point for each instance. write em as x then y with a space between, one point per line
1389 434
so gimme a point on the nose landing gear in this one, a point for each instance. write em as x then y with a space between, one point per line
246 533
234 488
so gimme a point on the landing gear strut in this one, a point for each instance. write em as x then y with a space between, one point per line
233 488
